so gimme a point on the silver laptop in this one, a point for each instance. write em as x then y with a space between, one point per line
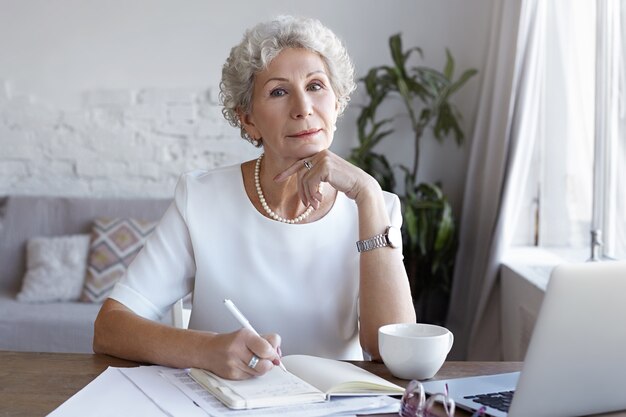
576 360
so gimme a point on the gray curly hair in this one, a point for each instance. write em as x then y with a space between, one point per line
262 43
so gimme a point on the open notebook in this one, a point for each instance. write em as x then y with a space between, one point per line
309 379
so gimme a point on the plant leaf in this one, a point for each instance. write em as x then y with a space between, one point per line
448 70
410 226
409 51
445 231
462 80
395 46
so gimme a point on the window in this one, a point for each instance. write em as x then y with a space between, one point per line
579 166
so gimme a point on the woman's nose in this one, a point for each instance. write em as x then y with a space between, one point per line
301 106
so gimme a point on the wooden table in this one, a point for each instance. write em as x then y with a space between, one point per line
34 384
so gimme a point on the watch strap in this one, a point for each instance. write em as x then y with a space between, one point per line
375 242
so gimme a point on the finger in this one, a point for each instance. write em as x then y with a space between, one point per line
256 365
274 340
261 366
239 355
245 369
307 192
318 195
309 183
301 192
312 191
262 348
237 369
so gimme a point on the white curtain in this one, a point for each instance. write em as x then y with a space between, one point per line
615 223
620 233
507 125
566 166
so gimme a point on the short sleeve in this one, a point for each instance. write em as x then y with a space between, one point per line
163 272
394 208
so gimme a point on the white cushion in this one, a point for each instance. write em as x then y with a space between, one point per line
56 268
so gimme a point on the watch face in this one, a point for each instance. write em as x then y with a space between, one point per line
394 236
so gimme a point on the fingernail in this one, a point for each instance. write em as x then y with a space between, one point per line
280 353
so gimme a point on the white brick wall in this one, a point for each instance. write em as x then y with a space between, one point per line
119 143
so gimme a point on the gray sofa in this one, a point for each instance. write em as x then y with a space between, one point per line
60 326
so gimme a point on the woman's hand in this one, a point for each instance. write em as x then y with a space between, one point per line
384 292
120 332
325 166
230 354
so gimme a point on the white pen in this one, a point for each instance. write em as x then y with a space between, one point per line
245 323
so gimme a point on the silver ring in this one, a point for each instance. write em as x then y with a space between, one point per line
308 165
253 361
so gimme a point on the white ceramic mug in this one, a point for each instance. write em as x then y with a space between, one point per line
414 350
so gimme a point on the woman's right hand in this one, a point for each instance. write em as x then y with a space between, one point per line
229 354
120 332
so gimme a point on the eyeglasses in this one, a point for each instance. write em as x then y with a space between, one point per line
415 404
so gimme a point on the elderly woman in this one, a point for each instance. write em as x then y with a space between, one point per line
276 234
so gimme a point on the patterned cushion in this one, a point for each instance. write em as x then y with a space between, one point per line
114 245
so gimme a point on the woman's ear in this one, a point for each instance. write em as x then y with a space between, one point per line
248 125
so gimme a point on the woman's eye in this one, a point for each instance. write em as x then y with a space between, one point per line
315 86
278 92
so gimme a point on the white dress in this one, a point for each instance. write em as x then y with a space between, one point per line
298 280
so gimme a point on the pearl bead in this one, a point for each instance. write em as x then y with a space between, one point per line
268 210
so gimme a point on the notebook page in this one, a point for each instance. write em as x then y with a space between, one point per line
275 388
328 374
276 383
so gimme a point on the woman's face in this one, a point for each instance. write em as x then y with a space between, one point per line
294 108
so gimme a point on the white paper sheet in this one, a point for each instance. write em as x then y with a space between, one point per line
111 393
159 391
170 399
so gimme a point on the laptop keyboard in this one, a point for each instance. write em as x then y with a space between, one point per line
498 400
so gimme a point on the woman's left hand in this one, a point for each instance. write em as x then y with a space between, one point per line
325 166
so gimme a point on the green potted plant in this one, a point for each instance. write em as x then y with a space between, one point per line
429 230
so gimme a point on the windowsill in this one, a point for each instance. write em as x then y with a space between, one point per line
536 263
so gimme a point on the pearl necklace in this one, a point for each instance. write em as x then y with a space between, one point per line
268 210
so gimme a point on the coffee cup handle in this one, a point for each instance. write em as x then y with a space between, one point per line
451 341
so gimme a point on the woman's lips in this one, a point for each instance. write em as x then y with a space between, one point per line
304 133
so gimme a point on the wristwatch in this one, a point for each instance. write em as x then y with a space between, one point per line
392 237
